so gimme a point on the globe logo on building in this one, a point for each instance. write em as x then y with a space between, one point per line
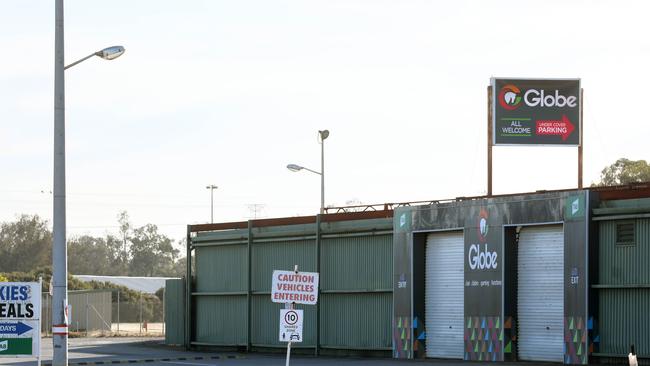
483 227
510 97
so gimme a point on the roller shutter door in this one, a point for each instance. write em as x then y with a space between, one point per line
540 293
443 297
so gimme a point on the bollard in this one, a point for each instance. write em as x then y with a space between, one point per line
632 357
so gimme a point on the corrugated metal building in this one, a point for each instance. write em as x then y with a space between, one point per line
548 276
229 302
622 288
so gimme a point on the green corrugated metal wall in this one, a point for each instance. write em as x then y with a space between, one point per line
221 320
624 320
355 303
220 293
175 311
356 291
214 262
624 290
272 253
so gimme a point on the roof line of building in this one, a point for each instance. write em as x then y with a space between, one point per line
385 210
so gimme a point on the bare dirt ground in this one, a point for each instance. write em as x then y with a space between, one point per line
151 329
126 330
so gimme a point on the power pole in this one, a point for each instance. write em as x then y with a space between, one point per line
59 248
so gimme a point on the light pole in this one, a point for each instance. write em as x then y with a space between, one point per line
59 249
322 135
211 187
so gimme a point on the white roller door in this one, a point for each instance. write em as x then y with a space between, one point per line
443 297
540 293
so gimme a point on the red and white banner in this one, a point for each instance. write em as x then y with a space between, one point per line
61 329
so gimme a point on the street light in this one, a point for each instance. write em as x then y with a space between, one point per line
59 249
296 168
108 53
324 134
211 187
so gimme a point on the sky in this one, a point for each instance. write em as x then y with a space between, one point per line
230 92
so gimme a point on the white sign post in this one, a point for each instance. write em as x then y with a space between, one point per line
20 319
290 288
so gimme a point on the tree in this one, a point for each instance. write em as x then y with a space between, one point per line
125 228
25 244
44 272
120 263
180 267
95 256
624 171
152 253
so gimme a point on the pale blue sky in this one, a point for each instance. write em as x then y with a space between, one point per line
230 92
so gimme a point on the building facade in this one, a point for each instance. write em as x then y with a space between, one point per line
493 279
557 276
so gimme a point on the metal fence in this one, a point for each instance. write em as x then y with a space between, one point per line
175 311
109 312
230 302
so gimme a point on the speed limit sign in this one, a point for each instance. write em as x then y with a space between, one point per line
291 325
291 317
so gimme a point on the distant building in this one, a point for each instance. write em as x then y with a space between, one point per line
144 284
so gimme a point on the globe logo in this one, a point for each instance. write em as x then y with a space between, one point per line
510 97
483 226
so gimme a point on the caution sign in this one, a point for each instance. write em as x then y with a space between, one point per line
291 325
20 319
295 287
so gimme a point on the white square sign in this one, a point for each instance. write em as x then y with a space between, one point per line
291 325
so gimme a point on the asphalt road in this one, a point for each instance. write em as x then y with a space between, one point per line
104 349
151 351
259 360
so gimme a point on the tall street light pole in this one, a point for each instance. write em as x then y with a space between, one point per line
59 248
211 187
322 135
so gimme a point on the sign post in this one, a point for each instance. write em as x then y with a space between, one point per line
20 319
290 288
